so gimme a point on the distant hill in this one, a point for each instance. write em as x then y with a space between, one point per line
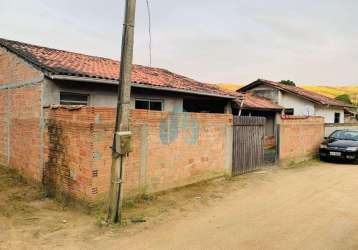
333 92
330 91
231 86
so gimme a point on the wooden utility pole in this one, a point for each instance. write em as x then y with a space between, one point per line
122 136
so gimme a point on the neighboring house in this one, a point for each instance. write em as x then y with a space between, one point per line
298 101
76 79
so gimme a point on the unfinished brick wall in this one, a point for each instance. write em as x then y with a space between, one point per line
13 69
25 131
300 138
68 152
20 130
20 116
4 123
169 150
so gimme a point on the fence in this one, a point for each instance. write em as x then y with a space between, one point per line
300 138
169 150
331 127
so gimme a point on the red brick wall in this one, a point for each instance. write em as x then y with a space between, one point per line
20 117
300 137
14 69
169 150
68 152
4 113
25 131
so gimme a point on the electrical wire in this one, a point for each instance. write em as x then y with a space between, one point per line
149 31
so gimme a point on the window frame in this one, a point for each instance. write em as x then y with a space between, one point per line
290 109
161 101
63 102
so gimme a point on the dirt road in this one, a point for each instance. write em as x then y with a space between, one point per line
311 207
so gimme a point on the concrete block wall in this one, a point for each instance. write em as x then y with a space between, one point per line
300 138
331 127
169 150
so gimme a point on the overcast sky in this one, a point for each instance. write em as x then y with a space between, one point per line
233 41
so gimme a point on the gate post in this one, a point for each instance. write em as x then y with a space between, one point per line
229 144
278 131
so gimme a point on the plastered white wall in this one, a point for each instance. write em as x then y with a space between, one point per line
300 105
330 128
328 114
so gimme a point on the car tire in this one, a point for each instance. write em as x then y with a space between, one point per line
356 160
322 158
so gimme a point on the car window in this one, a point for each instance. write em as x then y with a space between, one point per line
345 135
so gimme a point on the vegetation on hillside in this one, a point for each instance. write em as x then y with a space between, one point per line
288 82
231 86
344 98
337 92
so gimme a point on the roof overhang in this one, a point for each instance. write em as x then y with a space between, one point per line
134 84
262 109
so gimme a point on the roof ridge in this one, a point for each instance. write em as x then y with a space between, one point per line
49 48
61 62
92 56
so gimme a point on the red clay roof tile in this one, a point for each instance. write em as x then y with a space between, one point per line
257 103
59 62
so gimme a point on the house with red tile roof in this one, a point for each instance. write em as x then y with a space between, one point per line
70 78
298 101
62 144
73 78
77 79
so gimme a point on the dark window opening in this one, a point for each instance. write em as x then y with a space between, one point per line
337 117
289 111
204 106
155 105
139 104
67 98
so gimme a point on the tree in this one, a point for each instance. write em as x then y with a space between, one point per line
288 82
344 98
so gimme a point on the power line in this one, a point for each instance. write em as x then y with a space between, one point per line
149 31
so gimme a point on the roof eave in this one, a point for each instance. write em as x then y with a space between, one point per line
138 85
248 87
262 109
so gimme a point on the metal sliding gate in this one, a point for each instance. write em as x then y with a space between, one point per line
248 151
